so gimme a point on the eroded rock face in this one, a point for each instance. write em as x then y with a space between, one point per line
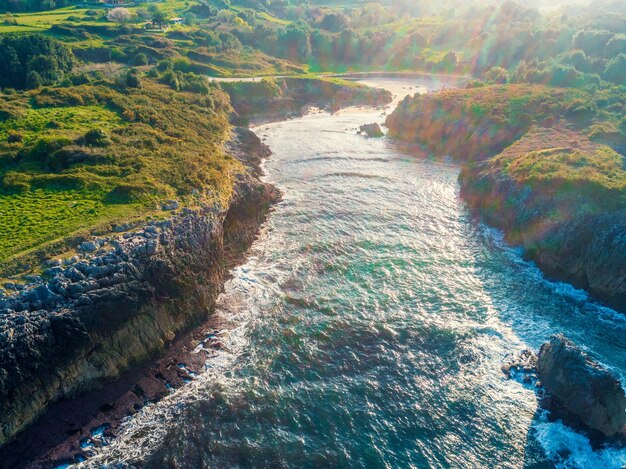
585 388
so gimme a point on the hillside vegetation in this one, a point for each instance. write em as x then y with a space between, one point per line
476 123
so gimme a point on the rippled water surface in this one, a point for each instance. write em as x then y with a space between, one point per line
369 325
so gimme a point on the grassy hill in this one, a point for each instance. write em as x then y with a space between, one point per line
102 153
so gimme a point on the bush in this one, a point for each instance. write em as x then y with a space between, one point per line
140 59
165 65
190 19
46 146
616 70
131 79
95 138
118 55
14 137
33 80
15 182
94 54
497 75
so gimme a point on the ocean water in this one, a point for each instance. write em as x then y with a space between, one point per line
368 327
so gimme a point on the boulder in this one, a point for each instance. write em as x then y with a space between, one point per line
88 246
170 205
372 130
585 388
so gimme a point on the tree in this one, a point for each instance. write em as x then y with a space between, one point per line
297 39
225 16
46 66
334 22
33 60
159 19
190 19
592 42
616 70
120 15
204 10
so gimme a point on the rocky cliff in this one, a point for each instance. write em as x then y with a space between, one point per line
123 299
529 169
572 226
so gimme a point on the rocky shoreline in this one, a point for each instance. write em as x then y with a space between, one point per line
586 250
125 299
79 342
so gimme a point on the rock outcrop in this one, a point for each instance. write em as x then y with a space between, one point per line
585 388
123 299
372 130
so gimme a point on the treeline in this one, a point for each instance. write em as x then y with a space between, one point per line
31 5
553 49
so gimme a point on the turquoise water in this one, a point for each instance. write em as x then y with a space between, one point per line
368 327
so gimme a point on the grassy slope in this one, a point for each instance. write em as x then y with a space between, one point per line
477 124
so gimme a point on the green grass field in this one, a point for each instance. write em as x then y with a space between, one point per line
155 144
33 218
69 121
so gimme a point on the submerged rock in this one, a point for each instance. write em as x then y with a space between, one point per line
372 130
585 388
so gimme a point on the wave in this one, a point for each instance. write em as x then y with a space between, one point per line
571 450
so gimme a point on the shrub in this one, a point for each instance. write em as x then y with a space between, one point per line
15 182
33 80
190 19
140 59
131 79
95 138
497 75
616 70
14 137
165 65
118 55
46 146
